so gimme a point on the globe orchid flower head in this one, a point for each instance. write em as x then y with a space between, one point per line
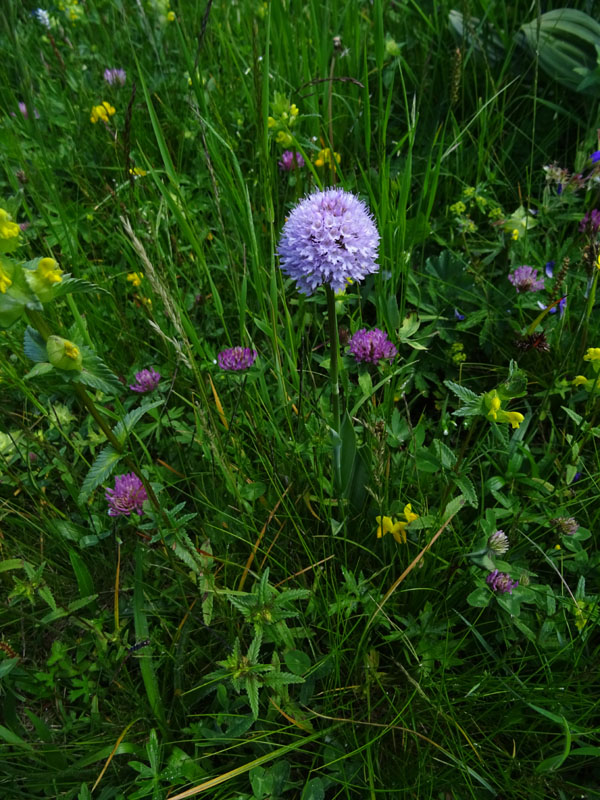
372 346
329 238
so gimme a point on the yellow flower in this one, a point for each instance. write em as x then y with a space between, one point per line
469 191
138 172
5 281
49 271
71 350
513 417
146 301
458 208
271 122
284 139
397 529
515 234
593 354
598 262
324 157
171 16
494 406
294 110
135 278
8 228
102 112
580 380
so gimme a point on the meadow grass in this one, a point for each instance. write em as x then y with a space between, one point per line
249 634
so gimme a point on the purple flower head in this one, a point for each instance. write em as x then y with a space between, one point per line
236 358
577 477
145 381
372 346
525 279
595 157
127 496
568 526
590 223
500 582
329 238
115 77
23 110
290 160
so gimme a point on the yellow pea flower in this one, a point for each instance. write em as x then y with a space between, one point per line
8 228
49 270
135 278
593 354
397 529
513 417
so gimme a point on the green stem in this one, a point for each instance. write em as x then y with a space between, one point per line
590 307
334 346
334 349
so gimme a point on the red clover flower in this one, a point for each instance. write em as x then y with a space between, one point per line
329 238
127 496
372 346
290 160
525 279
237 358
145 381
500 582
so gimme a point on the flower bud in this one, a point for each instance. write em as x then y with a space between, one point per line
42 279
63 354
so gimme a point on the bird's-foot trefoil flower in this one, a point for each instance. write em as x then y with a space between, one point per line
397 529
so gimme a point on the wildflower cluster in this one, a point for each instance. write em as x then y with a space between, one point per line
474 204
282 120
102 112
327 157
590 384
127 497
145 381
493 403
525 279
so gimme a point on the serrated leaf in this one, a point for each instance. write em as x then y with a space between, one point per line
577 418
464 394
76 286
96 374
466 487
126 425
454 506
446 457
100 470
34 345
251 687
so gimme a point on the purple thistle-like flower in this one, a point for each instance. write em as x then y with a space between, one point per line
290 160
329 238
500 582
115 76
525 279
237 358
590 222
127 496
145 381
372 346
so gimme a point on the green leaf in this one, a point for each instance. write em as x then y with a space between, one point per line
127 424
446 457
314 790
41 368
96 374
479 598
34 345
466 487
297 661
100 470
466 395
251 687
70 285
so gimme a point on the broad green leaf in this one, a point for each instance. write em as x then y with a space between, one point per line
100 470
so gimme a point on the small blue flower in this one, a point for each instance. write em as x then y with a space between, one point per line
458 315
550 268
595 157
